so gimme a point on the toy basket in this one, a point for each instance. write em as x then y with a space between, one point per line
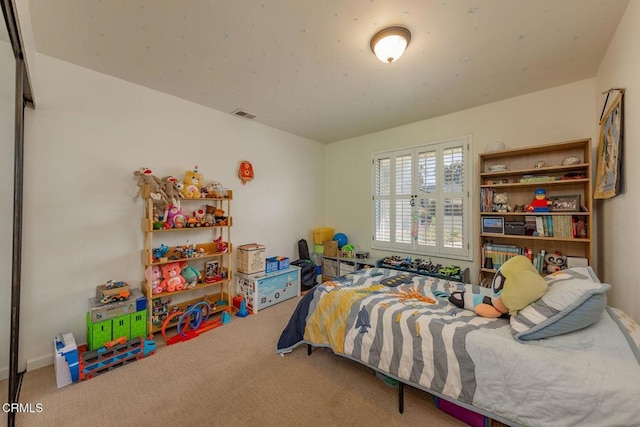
322 234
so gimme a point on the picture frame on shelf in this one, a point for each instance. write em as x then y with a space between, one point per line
493 224
567 203
212 271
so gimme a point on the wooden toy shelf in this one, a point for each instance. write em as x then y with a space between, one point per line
218 293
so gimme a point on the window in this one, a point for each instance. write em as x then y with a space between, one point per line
421 199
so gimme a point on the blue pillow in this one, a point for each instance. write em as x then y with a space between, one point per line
575 299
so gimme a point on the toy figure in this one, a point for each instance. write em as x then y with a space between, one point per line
170 188
540 203
500 203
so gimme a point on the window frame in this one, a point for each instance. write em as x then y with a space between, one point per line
439 250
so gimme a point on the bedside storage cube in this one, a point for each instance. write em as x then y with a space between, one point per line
266 289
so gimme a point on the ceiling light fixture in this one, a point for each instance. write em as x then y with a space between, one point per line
389 44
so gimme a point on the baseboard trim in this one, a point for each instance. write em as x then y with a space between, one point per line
4 373
40 362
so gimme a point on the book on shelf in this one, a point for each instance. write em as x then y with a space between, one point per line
562 226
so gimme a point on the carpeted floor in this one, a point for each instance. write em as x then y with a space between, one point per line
230 376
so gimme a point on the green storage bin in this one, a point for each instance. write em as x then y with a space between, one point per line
139 324
98 333
121 327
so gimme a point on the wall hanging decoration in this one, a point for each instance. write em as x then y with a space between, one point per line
609 169
245 173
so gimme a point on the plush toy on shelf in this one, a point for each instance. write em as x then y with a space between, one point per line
146 177
500 203
171 278
540 202
154 274
190 274
170 188
192 184
554 262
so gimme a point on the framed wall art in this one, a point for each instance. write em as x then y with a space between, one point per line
609 156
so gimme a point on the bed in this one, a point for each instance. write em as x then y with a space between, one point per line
403 326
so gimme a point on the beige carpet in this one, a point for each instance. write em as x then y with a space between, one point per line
230 376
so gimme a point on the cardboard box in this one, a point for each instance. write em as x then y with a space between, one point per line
251 258
100 312
330 248
65 359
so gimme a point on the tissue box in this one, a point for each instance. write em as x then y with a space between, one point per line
65 359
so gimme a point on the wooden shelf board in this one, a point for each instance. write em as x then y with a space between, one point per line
516 236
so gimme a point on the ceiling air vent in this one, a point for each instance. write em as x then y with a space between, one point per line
242 113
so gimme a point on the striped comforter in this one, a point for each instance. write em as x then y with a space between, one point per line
402 325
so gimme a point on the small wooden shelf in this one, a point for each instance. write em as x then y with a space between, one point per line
536 183
555 213
221 290
536 171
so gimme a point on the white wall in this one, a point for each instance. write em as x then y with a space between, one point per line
558 114
7 113
618 239
81 223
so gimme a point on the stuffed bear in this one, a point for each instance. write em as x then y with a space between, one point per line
500 203
554 262
209 216
192 184
515 285
172 280
154 275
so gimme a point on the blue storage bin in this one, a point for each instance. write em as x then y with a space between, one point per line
271 265
283 263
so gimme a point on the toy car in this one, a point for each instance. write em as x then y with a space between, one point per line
450 270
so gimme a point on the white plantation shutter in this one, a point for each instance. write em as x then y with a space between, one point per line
434 177
404 185
382 199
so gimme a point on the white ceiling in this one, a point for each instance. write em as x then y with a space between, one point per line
305 66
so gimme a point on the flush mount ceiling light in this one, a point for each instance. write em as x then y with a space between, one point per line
389 44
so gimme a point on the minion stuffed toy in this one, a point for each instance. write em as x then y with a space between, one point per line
515 285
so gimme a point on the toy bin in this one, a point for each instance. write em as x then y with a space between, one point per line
467 416
266 289
250 258
271 265
322 234
283 263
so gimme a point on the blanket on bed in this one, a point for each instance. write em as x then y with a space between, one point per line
402 324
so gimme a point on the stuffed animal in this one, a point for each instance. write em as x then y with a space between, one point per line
209 217
172 280
170 188
146 177
213 190
554 262
190 274
220 245
515 285
170 214
154 275
192 184
500 203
